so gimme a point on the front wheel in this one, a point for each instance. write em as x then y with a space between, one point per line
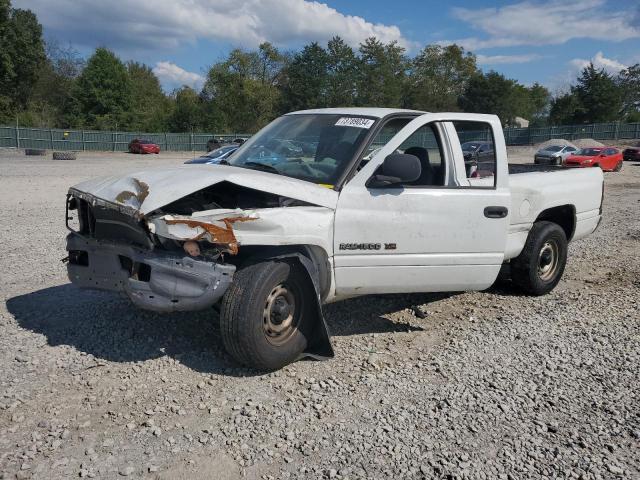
539 267
618 166
266 313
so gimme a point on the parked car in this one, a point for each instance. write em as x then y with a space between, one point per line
143 146
215 156
270 243
553 154
476 157
609 159
632 153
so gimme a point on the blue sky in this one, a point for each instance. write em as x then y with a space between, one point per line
546 41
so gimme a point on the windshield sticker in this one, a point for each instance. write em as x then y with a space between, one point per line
355 122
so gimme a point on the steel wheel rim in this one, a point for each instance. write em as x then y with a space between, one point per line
548 261
279 319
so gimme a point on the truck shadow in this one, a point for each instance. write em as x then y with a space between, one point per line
110 328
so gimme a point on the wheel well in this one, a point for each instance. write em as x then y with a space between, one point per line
317 255
563 215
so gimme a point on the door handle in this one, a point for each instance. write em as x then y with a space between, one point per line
496 212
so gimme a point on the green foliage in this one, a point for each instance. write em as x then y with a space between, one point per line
242 92
563 109
382 72
150 108
598 95
21 56
103 93
496 94
187 112
248 88
439 76
629 83
342 74
306 79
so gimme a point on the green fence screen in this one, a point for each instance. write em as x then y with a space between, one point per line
91 140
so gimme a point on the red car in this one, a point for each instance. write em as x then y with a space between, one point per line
608 159
143 146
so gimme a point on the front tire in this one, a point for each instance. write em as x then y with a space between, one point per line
618 166
539 267
266 313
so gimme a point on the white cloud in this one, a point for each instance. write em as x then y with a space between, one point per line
599 61
504 59
172 75
547 23
162 24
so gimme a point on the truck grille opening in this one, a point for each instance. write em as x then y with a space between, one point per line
104 223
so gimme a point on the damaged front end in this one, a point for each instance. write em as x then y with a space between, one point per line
110 248
173 242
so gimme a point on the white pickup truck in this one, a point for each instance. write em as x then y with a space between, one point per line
323 205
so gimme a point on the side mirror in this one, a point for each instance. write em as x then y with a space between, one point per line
396 168
603 155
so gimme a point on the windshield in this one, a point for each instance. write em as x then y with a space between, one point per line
588 151
312 147
553 148
218 152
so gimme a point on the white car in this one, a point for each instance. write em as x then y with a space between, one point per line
278 232
553 154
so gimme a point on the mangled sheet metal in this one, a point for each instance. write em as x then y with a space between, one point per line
227 229
147 191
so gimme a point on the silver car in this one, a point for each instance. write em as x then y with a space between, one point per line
553 154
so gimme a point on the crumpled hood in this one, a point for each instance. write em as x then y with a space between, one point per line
150 190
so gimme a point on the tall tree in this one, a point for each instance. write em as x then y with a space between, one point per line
187 112
242 91
629 82
599 97
439 76
494 93
306 79
149 105
21 56
103 91
342 71
563 109
381 74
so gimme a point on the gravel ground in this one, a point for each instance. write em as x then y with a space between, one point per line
475 385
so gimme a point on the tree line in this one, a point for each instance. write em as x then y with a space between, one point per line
45 85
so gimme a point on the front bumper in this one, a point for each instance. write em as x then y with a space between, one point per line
547 160
153 280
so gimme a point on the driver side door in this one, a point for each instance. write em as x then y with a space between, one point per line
436 236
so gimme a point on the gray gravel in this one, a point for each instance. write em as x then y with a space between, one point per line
463 386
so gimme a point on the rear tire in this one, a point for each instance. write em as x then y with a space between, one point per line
539 267
266 313
618 167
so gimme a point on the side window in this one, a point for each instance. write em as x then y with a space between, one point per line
476 140
386 133
425 144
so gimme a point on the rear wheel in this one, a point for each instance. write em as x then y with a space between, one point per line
540 265
265 314
618 166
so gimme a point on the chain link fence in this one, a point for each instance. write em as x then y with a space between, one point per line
92 140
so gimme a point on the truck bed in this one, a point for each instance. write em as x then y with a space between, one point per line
516 168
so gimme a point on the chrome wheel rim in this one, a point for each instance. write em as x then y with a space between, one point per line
279 321
548 261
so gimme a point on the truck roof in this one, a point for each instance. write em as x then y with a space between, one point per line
364 111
